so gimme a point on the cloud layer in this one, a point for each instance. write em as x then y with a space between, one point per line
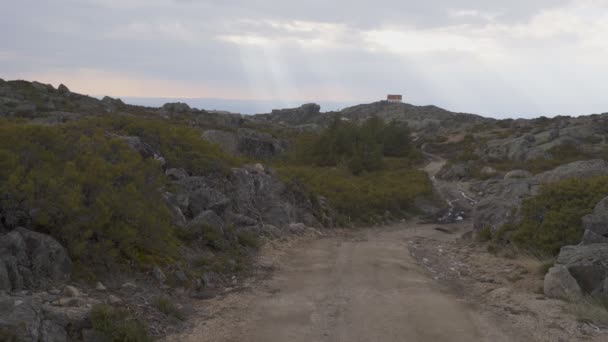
521 58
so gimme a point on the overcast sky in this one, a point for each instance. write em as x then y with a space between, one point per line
497 58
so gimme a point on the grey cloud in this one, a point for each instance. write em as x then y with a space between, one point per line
181 41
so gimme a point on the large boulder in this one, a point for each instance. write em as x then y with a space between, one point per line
500 202
597 222
559 283
252 196
588 264
30 260
246 142
176 107
454 172
579 169
28 318
258 145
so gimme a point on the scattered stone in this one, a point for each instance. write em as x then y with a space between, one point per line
129 286
100 287
112 299
71 291
518 174
159 274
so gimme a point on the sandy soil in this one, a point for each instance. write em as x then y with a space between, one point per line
362 286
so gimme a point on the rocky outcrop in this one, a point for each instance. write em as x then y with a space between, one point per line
518 174
30 260
176 107
250 197
579 169
226 140
596 224
501 199
588 265
246 142
454 172
44 317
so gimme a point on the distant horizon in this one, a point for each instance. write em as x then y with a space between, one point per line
252 107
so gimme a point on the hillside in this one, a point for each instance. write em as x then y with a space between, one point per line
119 222
417 117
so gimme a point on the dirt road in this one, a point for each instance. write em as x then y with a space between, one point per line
361 287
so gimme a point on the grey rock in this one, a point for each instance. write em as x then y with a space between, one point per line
597 222
454 172
77 318
559 283
176 174
22 317
590 237
259 145
159 274
129 286
100 287
502 199
207 218
226 140
52 332
71 291
588 264
488 171
63 89
181 276
176 107
112 105
32 260
580 169
207 198
518 174
113 300
296 228
501 202
239 220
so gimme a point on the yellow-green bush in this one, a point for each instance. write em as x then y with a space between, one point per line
362 198
86 187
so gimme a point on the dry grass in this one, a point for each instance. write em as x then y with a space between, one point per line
591 310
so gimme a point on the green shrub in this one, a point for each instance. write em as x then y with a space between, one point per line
358 147
91 192
552 219
484 234
167 307
362 198
117 325
82 184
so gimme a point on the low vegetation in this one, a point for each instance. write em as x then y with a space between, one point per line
82 184
168 307
591 310
117 325
552 219
366 171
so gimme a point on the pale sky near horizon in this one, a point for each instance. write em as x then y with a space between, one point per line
517 58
